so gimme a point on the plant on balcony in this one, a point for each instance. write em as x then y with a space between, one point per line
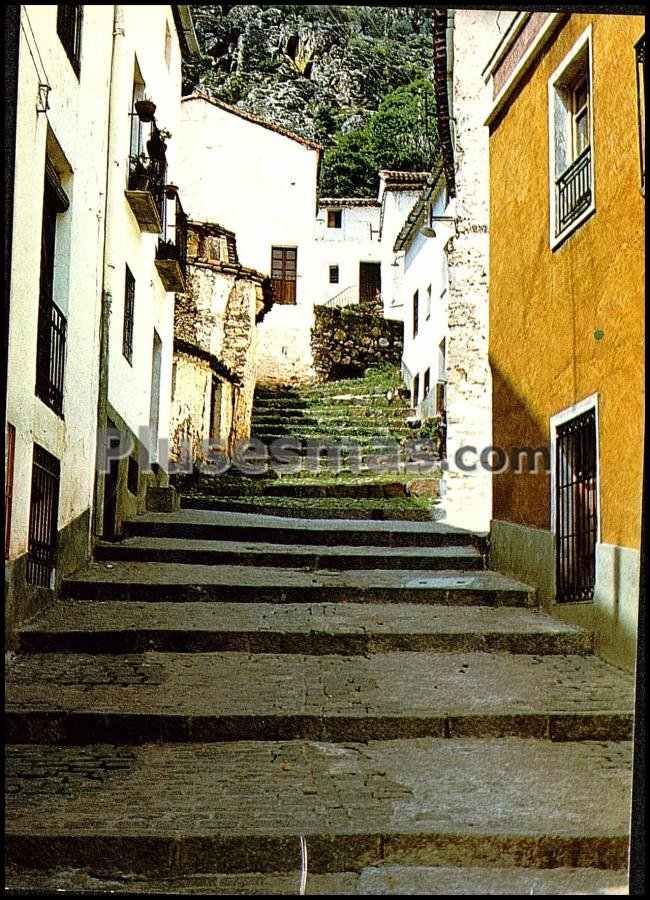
167 249
139 173
145 109
157 143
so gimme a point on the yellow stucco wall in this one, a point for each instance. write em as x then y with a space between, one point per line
545 306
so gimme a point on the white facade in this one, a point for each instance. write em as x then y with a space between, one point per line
344 248
141 34
71 218
425 285
72 133
260 182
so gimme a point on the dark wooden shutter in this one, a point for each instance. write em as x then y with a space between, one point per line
369 282
129 312
68 26
283 274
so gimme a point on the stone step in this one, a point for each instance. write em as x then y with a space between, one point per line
301 556
332 415
363 436
319 628
250 584
393 880
339 402
314 508
229 808
252 527
75 698
360 489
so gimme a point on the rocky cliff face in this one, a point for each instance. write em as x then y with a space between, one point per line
318 70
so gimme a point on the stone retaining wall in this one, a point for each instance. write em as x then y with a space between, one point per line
347 341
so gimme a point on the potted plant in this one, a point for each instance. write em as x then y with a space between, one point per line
157 143
145 109
139 173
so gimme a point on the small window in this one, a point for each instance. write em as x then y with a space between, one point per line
133 475
334 218
168 45
429 302
334 274
129 311
10 450
416 304
442 360
427 383
416 390
68 27
571 164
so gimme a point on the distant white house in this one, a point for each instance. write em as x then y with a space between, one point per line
353 243
424 289
260 181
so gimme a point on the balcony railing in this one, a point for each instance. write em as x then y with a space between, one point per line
50 356
171 255
573 192
146 191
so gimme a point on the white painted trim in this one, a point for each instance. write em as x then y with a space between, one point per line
560 418
540 40
585 38
507 40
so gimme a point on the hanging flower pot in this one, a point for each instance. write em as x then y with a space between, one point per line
145 109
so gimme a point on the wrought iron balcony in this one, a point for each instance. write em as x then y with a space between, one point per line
171 255
146 191
573 192
50 356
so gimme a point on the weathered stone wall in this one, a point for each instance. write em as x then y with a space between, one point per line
347 341
468 495
240 350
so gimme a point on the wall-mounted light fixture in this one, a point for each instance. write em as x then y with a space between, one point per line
639 48
43 103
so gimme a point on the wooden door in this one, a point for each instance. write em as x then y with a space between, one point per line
283 274
369 282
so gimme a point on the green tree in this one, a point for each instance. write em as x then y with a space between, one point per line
401 134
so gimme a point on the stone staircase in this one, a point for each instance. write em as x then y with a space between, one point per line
371 461
218 685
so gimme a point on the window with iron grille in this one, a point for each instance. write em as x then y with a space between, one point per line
10 447
416 390
576 507
52 324
334 274
68 26
129 310
334 218
43 518
571 151
416 310
640 98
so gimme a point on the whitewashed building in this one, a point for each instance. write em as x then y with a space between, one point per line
74 234
424 288
260 181
353 243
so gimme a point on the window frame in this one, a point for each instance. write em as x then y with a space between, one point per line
73 51
335 215
334 271
128 318
416 313
554 85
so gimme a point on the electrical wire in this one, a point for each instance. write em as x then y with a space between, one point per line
43 79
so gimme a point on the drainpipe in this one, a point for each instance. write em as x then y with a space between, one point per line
451 16
102 393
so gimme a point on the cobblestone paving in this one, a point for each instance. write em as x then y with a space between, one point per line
498 798
178 726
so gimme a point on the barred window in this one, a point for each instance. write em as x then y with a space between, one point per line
129 309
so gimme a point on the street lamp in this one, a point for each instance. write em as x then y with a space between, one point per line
639 48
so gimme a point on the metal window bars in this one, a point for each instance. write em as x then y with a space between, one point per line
573 191
43 518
